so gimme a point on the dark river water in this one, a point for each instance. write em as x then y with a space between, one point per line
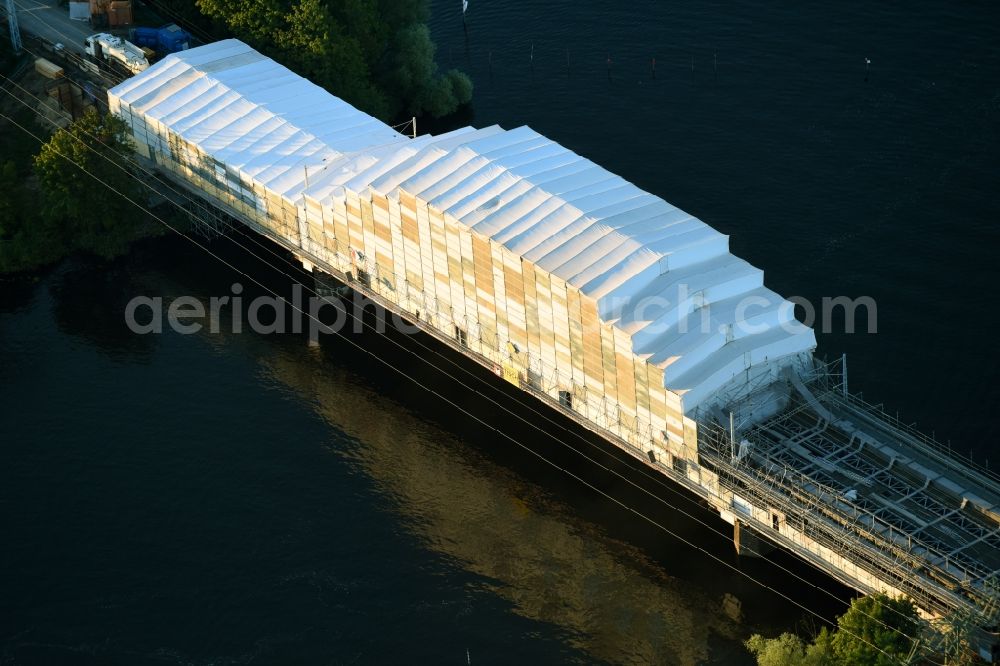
236 498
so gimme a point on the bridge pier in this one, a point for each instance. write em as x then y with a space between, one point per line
306 264
749 543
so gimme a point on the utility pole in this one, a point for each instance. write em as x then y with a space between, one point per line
843 372
15 32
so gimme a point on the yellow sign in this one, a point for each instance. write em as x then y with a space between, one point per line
511 375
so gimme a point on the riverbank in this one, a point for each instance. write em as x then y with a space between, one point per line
315 506
31 236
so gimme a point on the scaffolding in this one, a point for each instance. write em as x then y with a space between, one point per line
813 468
845 486
832 478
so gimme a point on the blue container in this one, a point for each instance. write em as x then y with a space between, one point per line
172 39
149 37
167 39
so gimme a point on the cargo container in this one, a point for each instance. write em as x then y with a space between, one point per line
163 40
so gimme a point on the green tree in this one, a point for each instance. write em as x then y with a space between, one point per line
876 630
375 54
820 651
410 69
16 249
10 202
314 44
790 650
27 239
73 168
785 650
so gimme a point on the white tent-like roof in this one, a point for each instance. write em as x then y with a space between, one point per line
251 113
662 276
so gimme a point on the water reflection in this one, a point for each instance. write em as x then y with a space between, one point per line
17 292
89 296
604 596
615 604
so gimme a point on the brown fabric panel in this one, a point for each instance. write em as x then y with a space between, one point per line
626 381
382 231
513 285
484 264
409 227
641 389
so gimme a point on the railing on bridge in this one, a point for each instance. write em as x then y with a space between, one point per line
831 375
939 579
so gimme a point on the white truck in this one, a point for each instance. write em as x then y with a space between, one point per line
115 50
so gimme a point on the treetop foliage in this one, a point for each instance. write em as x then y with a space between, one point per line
873 623
75 169
876 630
375 54
56 201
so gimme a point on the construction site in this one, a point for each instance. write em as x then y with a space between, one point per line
536 263
540 265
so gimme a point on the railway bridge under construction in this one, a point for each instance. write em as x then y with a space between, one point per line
540 265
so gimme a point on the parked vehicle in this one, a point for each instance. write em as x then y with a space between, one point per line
116 51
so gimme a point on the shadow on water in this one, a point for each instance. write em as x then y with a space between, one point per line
616 603
622 589
17 293
89 296
248 528
311 495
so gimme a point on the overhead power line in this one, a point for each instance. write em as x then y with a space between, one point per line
659 481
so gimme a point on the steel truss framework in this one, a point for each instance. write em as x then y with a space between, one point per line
875 492
915 531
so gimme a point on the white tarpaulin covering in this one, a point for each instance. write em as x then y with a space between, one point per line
251 113
662 276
